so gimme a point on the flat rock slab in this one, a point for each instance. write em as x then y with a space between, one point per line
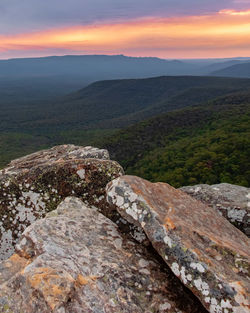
76 261
232 201
57 153
34 185
208 254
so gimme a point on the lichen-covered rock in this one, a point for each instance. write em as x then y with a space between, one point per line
208 254
232 201
34 185
76 261
57 153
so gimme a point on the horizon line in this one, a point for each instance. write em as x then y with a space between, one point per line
120 54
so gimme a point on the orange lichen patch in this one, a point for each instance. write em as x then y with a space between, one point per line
208 261
14 259
54 286
16 263
241 297
129 255
45 274
81 280
24 254
169 224
213 253
196 251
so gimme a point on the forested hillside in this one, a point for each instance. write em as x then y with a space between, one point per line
115 103
202 144
183 130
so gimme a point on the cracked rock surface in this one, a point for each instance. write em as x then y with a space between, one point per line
34 185
232 201
209 255
75 260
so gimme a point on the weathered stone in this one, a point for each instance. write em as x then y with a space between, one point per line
76 261
208 254
57 153
232 201
34 185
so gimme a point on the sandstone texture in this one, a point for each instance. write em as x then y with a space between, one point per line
232 201
75 260
209 255
34 185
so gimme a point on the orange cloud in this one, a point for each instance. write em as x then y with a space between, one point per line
235 13
221 35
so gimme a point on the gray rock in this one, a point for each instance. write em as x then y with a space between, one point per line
232 201
76 261
34 185
56 154
208 254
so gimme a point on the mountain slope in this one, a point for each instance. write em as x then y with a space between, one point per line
237 70
103 107
219 65
91 66
119 103
201 144
32 79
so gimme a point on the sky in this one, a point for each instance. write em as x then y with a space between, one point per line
162 28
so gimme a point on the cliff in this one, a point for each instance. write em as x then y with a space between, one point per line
79 236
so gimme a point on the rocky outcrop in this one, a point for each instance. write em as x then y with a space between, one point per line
232 201
144 248
76 261
34 185
208 254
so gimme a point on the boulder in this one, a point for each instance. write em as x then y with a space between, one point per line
232 201
208 254
75 260
34 185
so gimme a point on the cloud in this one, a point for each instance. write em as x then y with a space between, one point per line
32 15
214 35
235 13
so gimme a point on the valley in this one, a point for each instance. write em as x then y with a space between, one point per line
180 129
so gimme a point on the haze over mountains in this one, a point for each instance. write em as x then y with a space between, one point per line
109 101
34 78
235 70
111 66
116 103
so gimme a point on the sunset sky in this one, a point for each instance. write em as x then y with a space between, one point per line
163 28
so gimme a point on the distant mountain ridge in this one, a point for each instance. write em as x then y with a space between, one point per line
237 70
91 66
98 67
117 103
31 79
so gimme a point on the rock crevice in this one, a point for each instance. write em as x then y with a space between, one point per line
78 236
76 260
233 202
34 185
208 254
